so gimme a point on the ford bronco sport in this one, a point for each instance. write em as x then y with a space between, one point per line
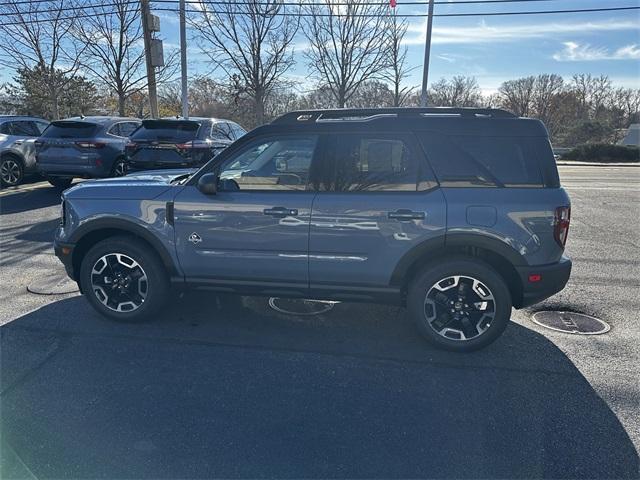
456 213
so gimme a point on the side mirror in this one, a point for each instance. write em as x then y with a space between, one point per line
208 184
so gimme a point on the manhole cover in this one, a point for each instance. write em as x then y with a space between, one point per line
53 283
570 322
300 307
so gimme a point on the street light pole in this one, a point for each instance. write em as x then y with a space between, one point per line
183 60
427 54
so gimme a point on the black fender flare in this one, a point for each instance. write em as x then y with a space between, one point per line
130 228
434 247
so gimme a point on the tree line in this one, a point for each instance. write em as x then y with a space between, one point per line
70 58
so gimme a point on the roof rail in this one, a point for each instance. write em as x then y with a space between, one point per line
361 114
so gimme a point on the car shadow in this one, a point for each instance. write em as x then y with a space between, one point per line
223 386
19 201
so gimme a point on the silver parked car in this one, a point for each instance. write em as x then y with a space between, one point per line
17 148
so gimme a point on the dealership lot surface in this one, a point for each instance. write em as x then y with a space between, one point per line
226 387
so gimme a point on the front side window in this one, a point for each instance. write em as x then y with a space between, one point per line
360 162
281 163
24 129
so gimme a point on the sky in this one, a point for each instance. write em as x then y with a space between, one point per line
491 48
499 48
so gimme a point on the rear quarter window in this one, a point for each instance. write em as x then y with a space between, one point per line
70 130
483 161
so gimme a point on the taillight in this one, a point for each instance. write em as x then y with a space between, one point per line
131 145
184 146
90 144
561 225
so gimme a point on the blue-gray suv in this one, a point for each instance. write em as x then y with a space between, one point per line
84 147
456 213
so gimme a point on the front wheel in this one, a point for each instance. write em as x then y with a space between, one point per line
460 304
11 171
60 182
123 279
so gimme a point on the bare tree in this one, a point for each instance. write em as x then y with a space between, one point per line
546 102
347 43
460 91
398 70
517 95
249 41
37 35
112 34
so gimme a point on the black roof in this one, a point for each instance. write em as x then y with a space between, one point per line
445 120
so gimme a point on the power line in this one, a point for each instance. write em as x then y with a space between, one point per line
290 3
476 14
406 15
66 9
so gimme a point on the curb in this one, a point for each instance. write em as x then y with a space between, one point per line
565 163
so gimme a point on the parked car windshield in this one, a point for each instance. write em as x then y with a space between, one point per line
172 130
65 129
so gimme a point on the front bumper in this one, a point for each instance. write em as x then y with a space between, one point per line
552 279
64 251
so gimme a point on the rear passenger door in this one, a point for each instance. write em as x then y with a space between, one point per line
377 200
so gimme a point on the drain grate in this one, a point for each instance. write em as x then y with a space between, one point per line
53 283
300 307
571 322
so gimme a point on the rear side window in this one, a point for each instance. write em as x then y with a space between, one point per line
170 130
222 131
123 129
362 162
70 130
475 161
238 131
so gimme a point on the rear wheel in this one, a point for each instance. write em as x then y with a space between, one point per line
11 171
61 183
123 279
461 304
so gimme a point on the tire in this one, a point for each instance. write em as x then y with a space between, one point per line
11 171
119 168
458 325
103 273
61 182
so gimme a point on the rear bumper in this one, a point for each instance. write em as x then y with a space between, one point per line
553 278
82 171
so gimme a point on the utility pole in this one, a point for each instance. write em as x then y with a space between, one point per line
427 54
151 73
183 60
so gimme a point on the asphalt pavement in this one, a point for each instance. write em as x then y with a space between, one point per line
223 386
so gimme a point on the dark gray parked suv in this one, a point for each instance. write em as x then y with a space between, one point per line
85 147
456 213
179 143
17 148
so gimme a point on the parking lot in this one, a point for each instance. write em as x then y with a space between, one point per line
224 386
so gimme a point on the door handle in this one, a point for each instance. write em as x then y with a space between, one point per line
406 215
280 211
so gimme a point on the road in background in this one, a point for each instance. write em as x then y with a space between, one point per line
226 387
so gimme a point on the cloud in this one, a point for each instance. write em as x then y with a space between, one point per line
483 33
577 52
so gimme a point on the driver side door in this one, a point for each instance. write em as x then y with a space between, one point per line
255 229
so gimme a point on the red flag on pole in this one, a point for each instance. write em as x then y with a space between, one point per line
393 3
